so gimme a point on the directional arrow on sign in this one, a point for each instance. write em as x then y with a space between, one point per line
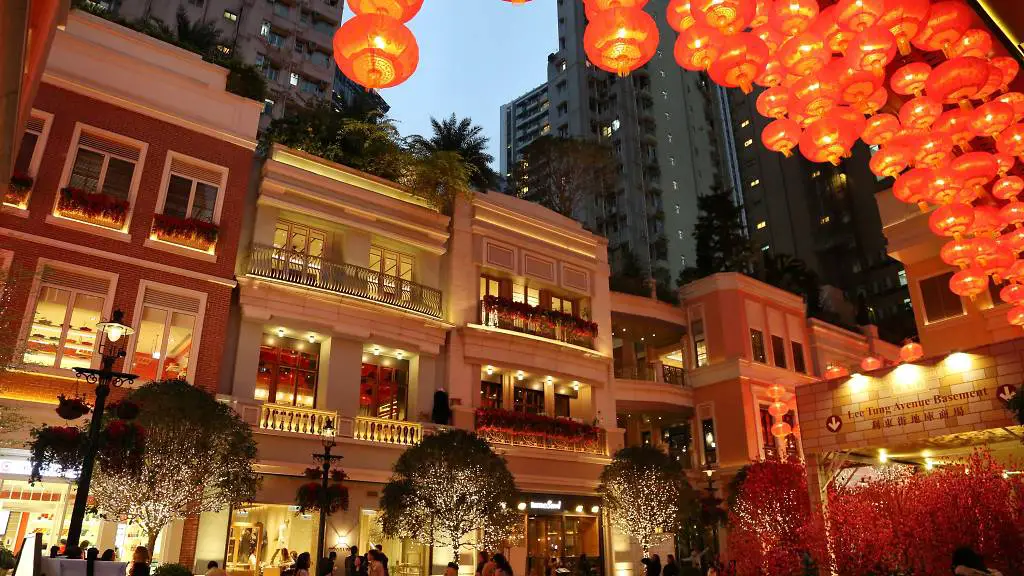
834 423
1006 392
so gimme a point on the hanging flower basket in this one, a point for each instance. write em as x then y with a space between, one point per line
122 445
313 473
71 408
189 232
308 497
94 208
55 447
18 188
125 409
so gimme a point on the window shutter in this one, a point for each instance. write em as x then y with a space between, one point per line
108 146
184 168
35 124
74 280
163 299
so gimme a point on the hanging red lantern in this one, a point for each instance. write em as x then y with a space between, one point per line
1008 187
781 135
968 283
678 15
742 59
401 10
1012 241
911 352
1009 68
772 102
592 7
697 46
951 219
912 186
905 18
781 429
984 248
879 129
933 149
1012 293
959 253
1005 162
888 163
1016 272
944 187
812 96
762 11
726 16
987 222
997 264
1015 316
920 112
376 51
772 75
958 79
975 169
910 79
956 125
872 50
804 54
974 42
908 140
858 15
947 22
1011 140
992 83
778 408
828 139
835 371
991 118
874 103
620 40
870 363
792 17
771 37
853 87
1012 213
1015 99
836 38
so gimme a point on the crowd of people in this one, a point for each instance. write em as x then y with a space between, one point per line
139 565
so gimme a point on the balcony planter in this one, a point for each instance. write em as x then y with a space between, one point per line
188 232
93 207
18 189
509 421
512 312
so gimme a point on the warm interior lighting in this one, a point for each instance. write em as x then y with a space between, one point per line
575 385
280 332
958 362
489 370
521 506
579 508
858 382
376 350
906 374
312 338
883 455
520 375
594 509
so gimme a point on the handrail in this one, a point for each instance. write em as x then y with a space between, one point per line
299 268
491 317
649 372
284 418
387 431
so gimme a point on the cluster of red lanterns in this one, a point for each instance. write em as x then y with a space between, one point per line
375 48
620 37
778 408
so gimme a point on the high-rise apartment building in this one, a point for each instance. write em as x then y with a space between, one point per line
523 120
291 42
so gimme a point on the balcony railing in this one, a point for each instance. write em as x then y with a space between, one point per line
649 372
316 272
537 431
387 431
283 418
493 316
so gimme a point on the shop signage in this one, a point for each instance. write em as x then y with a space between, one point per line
923 409
549 505
24 468
1006 392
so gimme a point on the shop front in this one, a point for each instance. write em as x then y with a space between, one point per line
564 527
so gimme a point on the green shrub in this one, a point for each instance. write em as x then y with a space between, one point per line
172 570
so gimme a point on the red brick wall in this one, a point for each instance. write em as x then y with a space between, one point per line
189 539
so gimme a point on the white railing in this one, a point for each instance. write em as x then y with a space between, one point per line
387 431
283 418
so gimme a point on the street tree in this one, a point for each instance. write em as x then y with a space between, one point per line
199 456
464 138
565 174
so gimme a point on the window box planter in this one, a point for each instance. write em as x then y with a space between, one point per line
189 232
520 313
539 431
94 208
18 190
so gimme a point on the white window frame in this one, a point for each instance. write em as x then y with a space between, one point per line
695 314
197 330
30 307
165 181
69 163
37 155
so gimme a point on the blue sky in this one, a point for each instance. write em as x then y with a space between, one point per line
475 55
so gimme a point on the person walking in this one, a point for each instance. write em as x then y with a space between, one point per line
350 561
481 561
452 569
302 564
140 562
501 565
383 559
583 567
376 567
214 569
967 562
671 568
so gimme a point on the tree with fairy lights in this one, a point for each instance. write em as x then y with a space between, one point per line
449 487
198 457
643 490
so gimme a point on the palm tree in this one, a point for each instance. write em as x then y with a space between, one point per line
464 138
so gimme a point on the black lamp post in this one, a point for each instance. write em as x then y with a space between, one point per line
111 349
325 459
709 471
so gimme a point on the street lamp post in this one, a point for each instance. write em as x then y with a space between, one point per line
111 349
709 471
325 459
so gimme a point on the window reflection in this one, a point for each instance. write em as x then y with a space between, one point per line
383 388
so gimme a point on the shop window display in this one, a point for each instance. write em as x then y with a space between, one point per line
288 371
259 533
383 388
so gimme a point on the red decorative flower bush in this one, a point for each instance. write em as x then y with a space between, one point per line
18 188
189 232
60 447
308 497
509 421
510 311
122 446
71 408
94 208
125 409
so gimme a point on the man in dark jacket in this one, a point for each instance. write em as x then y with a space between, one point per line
383 558
350 561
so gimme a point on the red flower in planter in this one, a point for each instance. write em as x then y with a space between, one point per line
509 421
188 231
55 446
122 444
93 207
71 408
18 189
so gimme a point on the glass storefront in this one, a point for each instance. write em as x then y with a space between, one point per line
287 372
260 533
384 388
405 557
563 527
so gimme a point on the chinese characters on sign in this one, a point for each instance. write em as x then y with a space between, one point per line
919 411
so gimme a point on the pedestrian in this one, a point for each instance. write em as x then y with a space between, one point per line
967 562
84 545
108 555
670 568
350 561
452 569
326 565
552 567
656 563
383 559
501 565
54 551
302 564
214 569
139 565
696 559
481 561
376 563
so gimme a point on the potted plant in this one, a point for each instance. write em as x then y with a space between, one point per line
71 408
308 497
190 232
18 188
95 208
59 447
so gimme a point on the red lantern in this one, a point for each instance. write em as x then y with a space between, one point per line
910 79
908 140
678 15
870 363
956 125
912 186
771 37
951 219
987 222
762 11
992 83
920 112
975 42
968 283
1015 316
827 139
947 22
620 40
781 429
933 149
1011 140
911 352
778 408
944 187
792 17
1012 213
772 102
811 96
401 10
984 248
875 102
853 87
997 264
879 129
1012 293
781 135
835 371
1012 241
991 118
376 51
592 7
742 59
905 18
1016 272
727 16
836 38
1009 67
872 49
1005 162
858 15
957 80
959 253
975 169
1015 99
888 163
697 46
1008 187
804 54
772 75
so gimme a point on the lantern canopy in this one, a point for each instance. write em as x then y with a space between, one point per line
698 46
905 18
742 59
947 22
